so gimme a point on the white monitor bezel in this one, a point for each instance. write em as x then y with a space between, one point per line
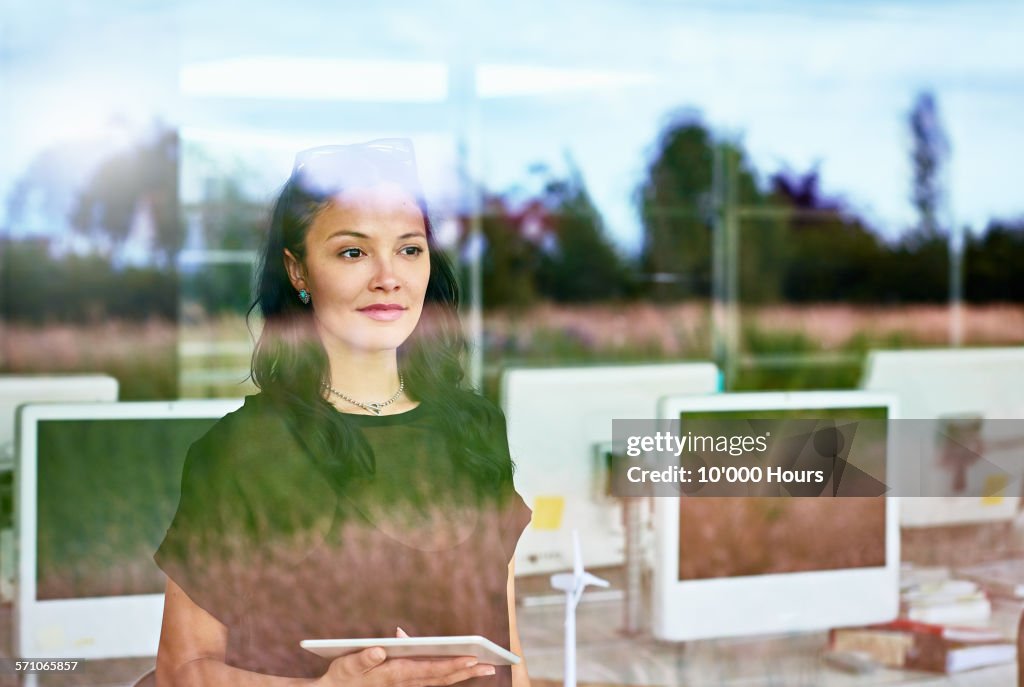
776 603
87 628
549 410
17 390
924 373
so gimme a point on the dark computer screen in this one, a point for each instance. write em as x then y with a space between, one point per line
107 490
751 535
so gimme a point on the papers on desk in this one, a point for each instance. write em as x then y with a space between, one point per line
999 578
944 601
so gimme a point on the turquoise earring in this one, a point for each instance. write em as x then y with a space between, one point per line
304 296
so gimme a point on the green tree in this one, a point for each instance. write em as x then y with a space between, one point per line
764 235
509 261
579 263
833 255
229 220
929 153
143 178
992 263
39 287
58 196
675 207
922 255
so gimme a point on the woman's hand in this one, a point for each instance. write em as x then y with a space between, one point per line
372 668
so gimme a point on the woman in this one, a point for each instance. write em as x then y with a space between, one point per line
363 490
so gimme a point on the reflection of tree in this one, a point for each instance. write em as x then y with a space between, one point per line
509 259
72 213
39 287
44 192
230 219
580 264
922 254
992 263
800 245
675 205
138 182
677 208
928 156
551 245
90 246
226 219
833 255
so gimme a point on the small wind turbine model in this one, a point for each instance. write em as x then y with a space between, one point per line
573 584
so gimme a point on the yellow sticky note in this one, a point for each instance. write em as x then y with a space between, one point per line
49 638
993 489
547 512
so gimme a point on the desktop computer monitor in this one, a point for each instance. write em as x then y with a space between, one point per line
96 488
745 565
16 390
559 431
961 390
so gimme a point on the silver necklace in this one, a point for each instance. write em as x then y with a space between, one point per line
374 408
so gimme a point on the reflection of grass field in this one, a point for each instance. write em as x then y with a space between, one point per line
108 490
683 330
144 356
724 537
643 331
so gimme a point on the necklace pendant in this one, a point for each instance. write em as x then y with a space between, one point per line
375 408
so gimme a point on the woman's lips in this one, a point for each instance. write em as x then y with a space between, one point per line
383 313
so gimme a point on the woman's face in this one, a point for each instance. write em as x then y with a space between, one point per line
366 269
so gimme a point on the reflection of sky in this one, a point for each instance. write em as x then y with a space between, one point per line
805 83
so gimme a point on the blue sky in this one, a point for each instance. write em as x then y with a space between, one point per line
799 83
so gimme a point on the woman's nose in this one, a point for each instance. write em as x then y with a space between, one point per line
384 277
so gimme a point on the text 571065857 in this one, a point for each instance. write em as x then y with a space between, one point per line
38 665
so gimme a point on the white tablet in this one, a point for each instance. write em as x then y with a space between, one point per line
479 647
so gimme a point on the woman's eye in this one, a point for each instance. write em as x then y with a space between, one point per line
351 253
411 250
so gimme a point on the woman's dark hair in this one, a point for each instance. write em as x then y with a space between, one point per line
290 364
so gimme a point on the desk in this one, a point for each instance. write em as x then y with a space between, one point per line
605 658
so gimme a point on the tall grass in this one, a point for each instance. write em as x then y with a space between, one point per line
780 346
144 356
